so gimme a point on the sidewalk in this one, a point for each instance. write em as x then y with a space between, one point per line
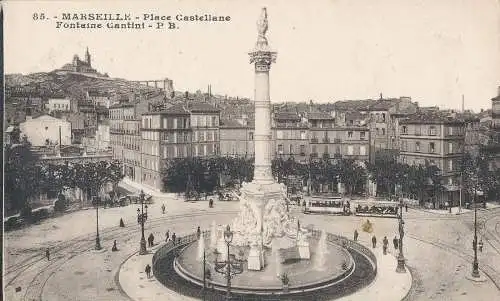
132 186
388 285
455 210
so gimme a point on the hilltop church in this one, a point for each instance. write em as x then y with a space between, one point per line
80 66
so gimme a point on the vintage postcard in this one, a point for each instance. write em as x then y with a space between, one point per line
251 150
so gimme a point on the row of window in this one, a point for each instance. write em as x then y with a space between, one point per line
204 121
431 147
431 130
315 135
122 113
350 149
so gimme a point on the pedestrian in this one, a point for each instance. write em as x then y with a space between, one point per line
385 242
148 270
395 241
374 241
163 208
481 245
356 234
47 254
198 232
115 248
151 239
122 224
173 238
406 207
167 235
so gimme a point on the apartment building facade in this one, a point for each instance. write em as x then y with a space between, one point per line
290 136
125 137
237 138
435 140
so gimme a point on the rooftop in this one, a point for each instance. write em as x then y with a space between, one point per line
436 118
319 116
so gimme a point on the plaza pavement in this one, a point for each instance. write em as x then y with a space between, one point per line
437 247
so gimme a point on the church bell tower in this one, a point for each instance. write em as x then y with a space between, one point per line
87 57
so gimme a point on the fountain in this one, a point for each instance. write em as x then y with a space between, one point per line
277 258
213 236
264 232
321 252
201 247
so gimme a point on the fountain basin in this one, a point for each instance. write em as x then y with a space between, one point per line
303 274
177 268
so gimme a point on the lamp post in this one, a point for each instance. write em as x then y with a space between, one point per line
228 267
97 239
475 264
401 259
142 250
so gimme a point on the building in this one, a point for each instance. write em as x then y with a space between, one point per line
46 130
205 121
328 140
437 140
166 135
290 136
77 65
170 134
495 111
99 98
380 115
237 138
78 127
60 104
125 137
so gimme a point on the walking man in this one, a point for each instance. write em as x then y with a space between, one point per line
481 245
167 235
148 271
151 239
163 208
395 241
385 242
356 234
374 241
173 238
47 254
198 232
114 248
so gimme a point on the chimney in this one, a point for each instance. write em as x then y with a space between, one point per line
498 91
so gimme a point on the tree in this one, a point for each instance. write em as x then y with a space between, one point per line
386 171
97 174
352 174
22 173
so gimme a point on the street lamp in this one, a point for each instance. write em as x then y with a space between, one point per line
475 264
141 219
228 267
97 239
401 259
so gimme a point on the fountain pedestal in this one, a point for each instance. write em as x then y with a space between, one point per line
255 258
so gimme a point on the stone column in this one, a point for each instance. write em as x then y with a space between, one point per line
262 57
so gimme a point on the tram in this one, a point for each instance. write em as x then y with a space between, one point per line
377 208
335 205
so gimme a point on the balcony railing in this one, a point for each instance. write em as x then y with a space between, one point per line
336 140
326 140
314 155
314 140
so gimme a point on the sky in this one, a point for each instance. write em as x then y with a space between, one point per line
434 51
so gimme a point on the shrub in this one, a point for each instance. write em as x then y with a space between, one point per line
12 223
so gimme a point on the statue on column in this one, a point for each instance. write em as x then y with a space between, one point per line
262 26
